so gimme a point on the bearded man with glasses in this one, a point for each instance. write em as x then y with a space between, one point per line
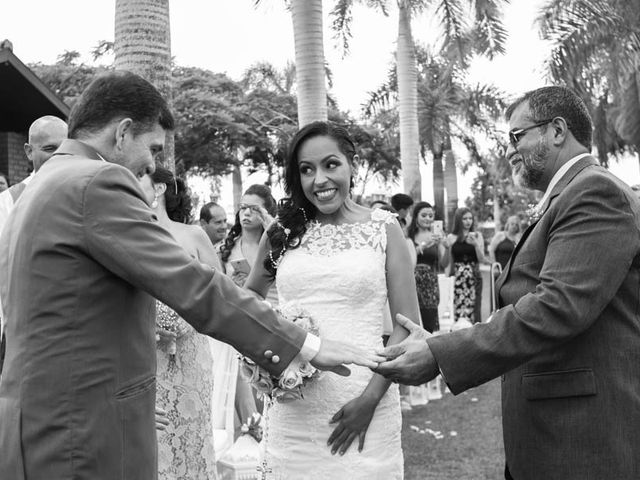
566 337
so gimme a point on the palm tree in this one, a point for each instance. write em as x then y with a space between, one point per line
408 102
310 65
596 51
142 45
484 35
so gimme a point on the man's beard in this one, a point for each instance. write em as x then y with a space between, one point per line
530 173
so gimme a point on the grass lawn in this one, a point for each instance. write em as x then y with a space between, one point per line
473 452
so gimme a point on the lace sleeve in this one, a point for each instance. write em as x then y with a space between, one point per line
383 216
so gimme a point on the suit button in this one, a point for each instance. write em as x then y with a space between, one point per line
268 353
275 359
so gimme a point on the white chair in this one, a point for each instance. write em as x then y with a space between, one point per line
445 307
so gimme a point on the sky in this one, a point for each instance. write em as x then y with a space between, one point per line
230 35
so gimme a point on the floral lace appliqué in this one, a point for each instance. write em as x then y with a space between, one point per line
323 239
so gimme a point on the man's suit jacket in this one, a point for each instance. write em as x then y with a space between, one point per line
567 338
81 259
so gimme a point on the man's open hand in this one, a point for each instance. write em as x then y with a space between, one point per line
409 362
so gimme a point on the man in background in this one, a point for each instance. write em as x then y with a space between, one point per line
402 203
213 219
45 136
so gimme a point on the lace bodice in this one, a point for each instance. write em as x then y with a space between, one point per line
342 266
337 275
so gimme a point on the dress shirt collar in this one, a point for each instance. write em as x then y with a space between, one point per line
556 178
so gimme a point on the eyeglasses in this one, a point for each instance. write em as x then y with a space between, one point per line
253 208
516 134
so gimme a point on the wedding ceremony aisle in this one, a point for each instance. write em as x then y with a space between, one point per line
457 437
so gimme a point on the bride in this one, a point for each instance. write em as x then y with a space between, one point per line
340 262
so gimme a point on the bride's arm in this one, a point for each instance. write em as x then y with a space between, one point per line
260 280
354 417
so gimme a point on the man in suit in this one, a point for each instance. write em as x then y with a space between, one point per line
566 338
80 261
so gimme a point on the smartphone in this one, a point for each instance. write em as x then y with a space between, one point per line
438 227
241 265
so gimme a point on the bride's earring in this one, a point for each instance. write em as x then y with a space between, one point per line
154 204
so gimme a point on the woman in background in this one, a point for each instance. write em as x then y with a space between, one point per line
185 363
504 243
238 254
429 254
466 252
239 250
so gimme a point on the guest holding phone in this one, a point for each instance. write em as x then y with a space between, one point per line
466 252
426 242
238 255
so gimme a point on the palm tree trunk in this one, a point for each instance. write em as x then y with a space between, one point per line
310 70
142 45
408 104
236 180
450 183
438 186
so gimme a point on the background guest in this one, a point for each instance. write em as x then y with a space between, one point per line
238 254
213 219
429 254
503 243
466 252
4 182
402 203
185 363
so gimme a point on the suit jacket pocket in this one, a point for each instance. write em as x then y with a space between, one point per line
139 445
579 382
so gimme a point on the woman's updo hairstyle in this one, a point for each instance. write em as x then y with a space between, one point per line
295 210
176 196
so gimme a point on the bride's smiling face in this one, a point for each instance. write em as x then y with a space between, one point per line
325 173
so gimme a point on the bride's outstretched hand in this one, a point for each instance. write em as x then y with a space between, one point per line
334 355
352 422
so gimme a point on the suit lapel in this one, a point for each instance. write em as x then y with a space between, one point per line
557 189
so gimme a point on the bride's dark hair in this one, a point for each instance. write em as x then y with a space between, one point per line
295 210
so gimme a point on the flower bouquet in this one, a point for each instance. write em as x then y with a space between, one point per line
288 386
168 320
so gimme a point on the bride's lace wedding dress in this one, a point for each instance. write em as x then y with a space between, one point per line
338 276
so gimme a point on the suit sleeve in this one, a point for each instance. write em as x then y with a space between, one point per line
123 235
592 243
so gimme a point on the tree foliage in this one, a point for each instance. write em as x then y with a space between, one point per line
222 123
596 51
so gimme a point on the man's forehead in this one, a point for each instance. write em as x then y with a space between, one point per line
520 113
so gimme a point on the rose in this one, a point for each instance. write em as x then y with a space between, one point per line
290 379
263 383
306 369
250 370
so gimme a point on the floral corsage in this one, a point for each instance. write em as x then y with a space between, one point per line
289 385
